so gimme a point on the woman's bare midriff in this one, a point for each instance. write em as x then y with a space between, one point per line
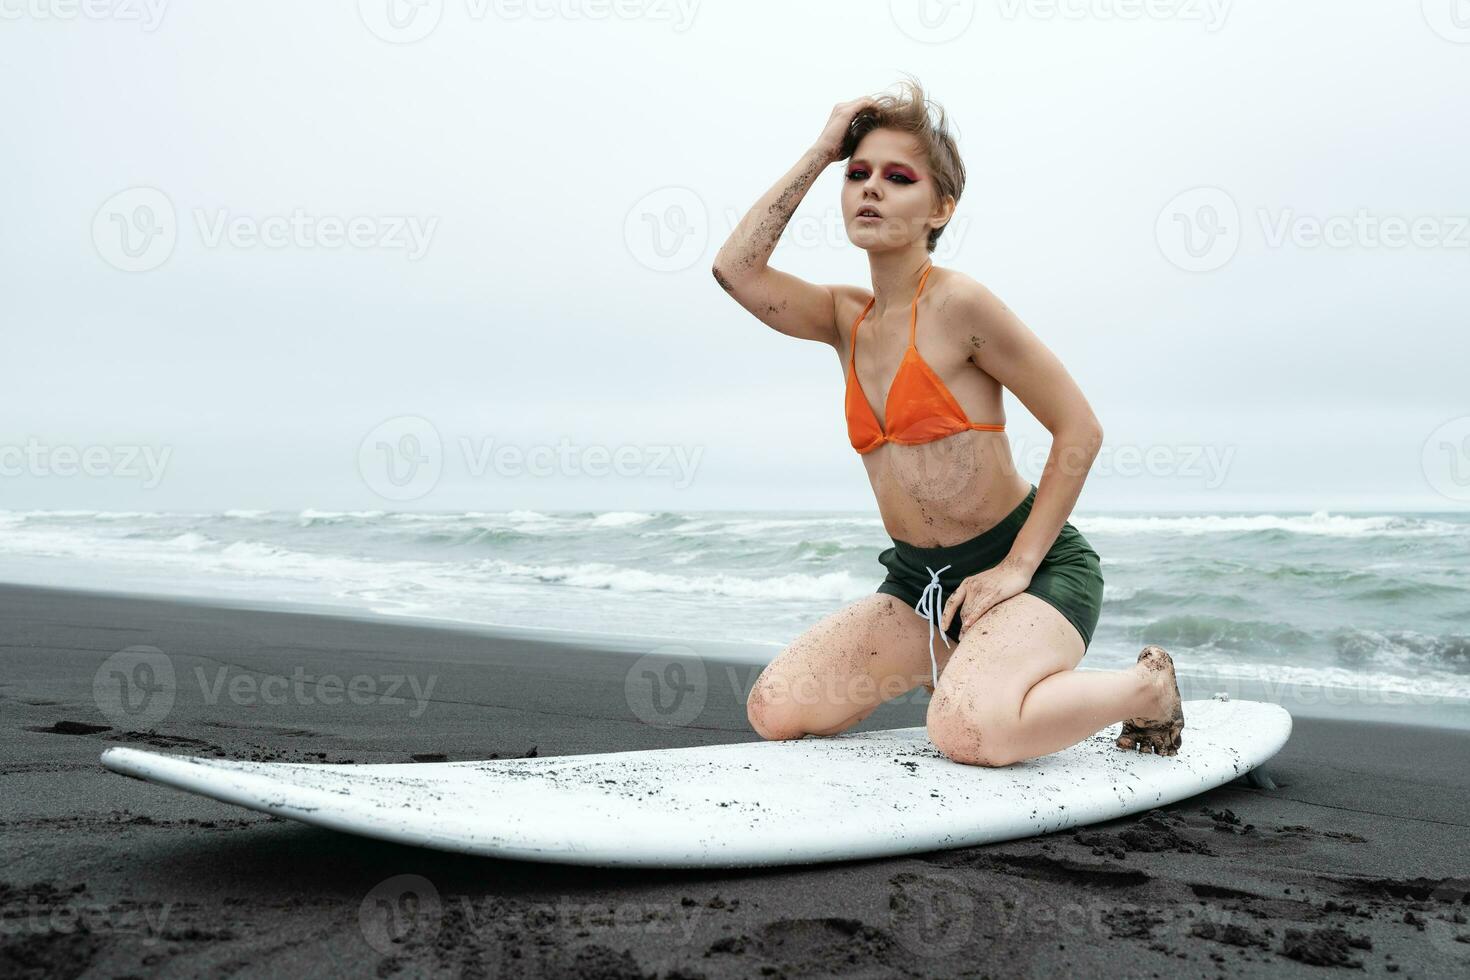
941 493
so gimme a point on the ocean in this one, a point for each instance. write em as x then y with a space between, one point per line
1371 604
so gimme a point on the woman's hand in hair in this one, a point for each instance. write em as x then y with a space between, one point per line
834 135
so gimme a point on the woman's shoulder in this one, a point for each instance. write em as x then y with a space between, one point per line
961 297
848 303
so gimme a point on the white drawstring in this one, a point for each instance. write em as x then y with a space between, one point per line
930 605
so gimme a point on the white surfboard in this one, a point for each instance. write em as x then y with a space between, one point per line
841 797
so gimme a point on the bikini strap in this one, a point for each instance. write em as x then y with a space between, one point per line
914 308
852 342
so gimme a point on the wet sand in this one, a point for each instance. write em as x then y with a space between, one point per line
1359 858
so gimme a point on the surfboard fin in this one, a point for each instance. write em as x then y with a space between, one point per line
1260 779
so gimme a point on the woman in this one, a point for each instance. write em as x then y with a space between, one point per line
979 553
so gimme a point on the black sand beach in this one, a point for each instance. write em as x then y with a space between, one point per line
1358 859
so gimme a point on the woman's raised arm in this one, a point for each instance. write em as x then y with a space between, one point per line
785 302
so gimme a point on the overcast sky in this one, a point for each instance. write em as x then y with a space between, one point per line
337 255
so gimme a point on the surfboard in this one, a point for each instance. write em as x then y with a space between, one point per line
820 798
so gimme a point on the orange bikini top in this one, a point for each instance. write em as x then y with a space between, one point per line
919 407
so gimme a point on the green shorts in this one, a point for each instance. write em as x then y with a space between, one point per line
1069 576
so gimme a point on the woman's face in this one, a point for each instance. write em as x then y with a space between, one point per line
886 174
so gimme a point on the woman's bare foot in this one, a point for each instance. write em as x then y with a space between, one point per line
1162 733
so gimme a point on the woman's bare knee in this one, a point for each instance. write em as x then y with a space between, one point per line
769 716
970 737
785 704
839 671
